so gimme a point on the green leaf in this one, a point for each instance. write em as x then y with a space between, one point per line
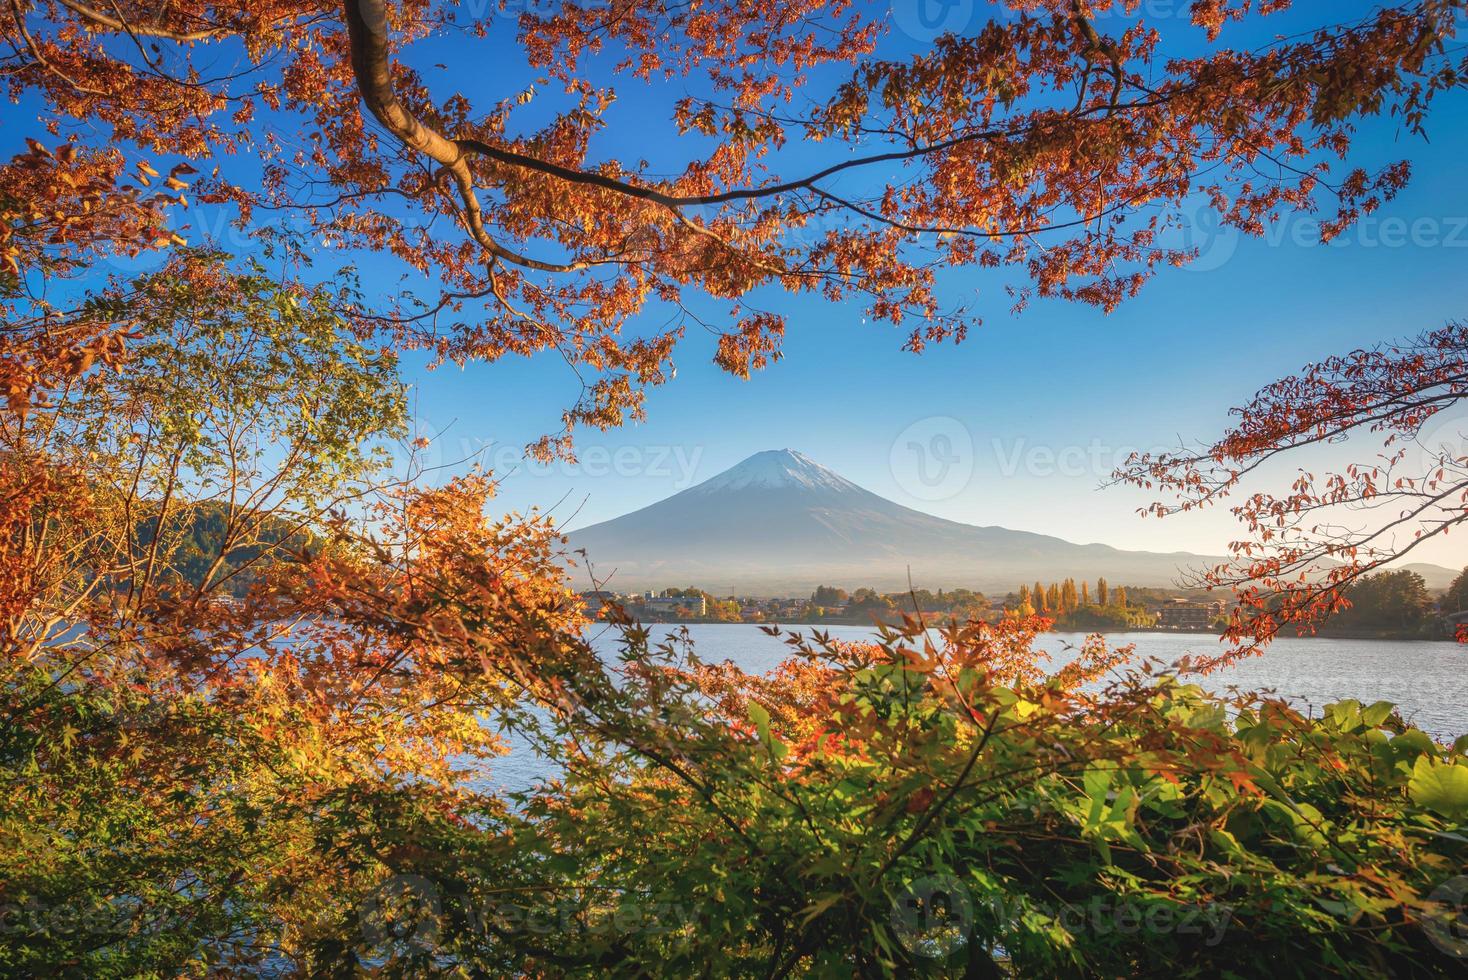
1097 781
761 719
1211 717
1441 787
1412 741
818 906
1226 842
1379 712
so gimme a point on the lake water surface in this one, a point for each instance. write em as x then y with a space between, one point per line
1427 681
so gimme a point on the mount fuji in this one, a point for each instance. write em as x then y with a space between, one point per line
779 523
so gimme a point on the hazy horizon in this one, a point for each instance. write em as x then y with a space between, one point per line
779 523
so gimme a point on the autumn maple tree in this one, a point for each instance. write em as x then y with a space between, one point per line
1041 144
1303 549
256 681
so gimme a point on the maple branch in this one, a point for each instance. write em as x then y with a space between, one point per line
911 229
931 813
367 24
118 23
30 42
367 30
1095 43
1380 399
656 196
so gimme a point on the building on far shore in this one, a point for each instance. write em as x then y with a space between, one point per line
693 605
1182 614
596 601
645 604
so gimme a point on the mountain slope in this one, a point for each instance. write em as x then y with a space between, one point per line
779 522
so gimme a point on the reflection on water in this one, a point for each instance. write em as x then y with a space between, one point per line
1427 681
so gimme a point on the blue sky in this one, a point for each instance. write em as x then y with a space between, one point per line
1035 409
1059 378
1019 425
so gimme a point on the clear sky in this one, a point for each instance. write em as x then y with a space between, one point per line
1019 425
1031 412
1048 401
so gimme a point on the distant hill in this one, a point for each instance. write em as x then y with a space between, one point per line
780 524
1437 577
194 533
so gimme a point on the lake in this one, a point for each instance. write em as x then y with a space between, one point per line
1427 681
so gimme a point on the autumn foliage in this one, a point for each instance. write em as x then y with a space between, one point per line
1042 145
259 675
1304 548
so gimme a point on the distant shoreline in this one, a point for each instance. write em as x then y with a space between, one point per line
1322 635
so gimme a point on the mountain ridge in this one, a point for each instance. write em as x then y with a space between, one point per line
780 523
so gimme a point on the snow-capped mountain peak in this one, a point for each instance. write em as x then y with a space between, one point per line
776 469
780 523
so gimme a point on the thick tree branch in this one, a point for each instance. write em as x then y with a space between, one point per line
367 28
97 18
367 21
